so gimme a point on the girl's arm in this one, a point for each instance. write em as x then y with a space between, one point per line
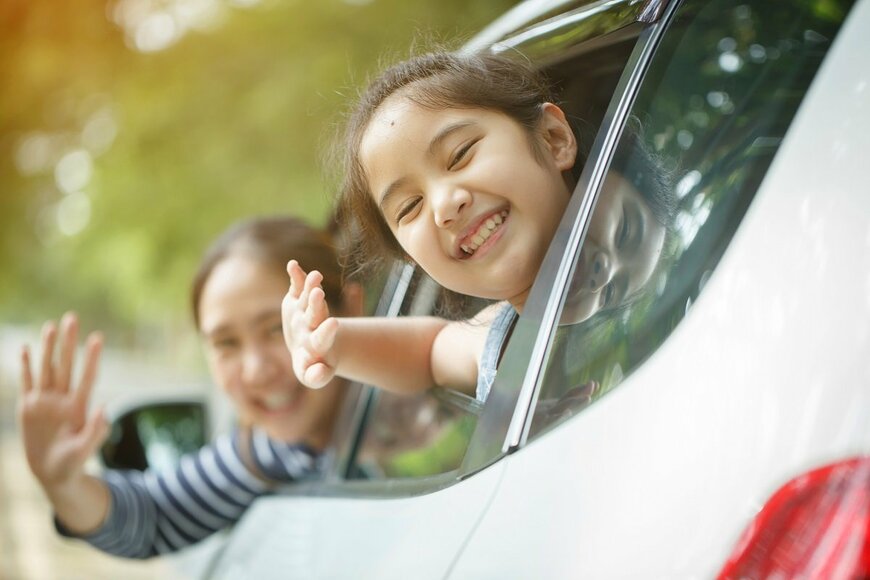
403 355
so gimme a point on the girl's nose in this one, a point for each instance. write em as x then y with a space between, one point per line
600 271
448 204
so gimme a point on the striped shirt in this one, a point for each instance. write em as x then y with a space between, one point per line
153 513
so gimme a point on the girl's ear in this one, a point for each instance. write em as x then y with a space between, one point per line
558 136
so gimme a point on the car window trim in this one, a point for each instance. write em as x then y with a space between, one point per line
548 28
517 384
501 427
588 187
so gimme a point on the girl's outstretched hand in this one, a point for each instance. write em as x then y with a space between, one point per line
58 434
309 331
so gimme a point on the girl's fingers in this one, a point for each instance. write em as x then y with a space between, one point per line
297 278
317 310
312 281
46 378
93 347
26 373
317 376
69 330
323 337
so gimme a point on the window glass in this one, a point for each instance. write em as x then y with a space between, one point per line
721 91
414 436
420 435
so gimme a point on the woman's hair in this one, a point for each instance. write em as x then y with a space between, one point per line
438 80
273 241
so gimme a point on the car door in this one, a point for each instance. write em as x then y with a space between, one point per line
653 432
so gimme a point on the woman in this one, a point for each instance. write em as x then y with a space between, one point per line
236 299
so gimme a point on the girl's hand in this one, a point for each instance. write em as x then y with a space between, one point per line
309 331
58 435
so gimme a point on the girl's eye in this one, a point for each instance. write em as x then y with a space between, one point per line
622 234
407 208
460 155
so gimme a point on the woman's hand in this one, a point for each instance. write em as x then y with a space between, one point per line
309 331
58 435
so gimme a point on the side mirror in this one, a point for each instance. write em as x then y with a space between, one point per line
155 436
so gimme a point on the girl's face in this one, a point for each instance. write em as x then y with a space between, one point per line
467 195
240 321
620 254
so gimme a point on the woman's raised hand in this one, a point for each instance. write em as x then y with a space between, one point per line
58 434
308 329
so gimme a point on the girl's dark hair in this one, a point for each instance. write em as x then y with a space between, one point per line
273 241
651 174
438 80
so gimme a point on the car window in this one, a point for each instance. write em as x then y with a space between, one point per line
415 436
420 435
428 434
718 97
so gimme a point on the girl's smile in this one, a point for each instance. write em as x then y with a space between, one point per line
471 195
483 235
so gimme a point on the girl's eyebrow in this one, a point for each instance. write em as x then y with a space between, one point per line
444 133
390 190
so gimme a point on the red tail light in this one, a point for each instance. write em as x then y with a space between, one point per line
815 526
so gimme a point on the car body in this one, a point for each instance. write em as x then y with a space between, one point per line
742 367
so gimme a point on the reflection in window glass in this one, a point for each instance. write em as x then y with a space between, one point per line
718 98
414 436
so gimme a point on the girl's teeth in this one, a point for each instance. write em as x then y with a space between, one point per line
484 232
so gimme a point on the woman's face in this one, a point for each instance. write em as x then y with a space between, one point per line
240 321
621 251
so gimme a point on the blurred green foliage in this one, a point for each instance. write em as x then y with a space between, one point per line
173 137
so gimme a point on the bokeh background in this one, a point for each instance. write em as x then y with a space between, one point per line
132 132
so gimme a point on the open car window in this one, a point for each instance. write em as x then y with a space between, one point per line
693 153
426 435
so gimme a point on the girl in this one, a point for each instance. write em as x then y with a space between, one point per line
461 163
236 298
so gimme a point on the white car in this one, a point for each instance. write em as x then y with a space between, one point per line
716 421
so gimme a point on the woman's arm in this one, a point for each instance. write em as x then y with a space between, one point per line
57 433
135 514
153 513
